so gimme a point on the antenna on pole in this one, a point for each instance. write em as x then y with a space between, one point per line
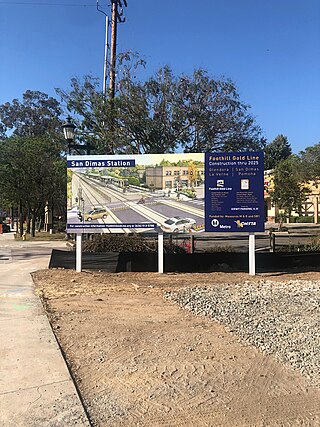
106 50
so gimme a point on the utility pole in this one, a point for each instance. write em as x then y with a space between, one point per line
105 66
113 51
106 49
116 17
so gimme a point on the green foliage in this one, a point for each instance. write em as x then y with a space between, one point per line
182 163
313 245
127 243
289 192
189 193
194 112
163 113
32 173
133 180
85 99
303 219
279 149
310 159
36 115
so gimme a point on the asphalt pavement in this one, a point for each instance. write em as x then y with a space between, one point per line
297 235
36 388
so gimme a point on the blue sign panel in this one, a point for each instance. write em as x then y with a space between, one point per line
234 190
101 163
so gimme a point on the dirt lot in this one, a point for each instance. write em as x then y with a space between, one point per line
140 360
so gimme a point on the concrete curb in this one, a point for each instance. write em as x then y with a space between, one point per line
36 388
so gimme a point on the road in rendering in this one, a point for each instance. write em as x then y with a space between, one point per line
133 206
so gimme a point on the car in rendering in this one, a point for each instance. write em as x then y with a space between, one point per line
96 213
73 209
73 212
178 223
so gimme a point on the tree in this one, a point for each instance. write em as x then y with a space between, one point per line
162 114
146 114
36 115
196 113
133 180
31 174
279 149
310 159
94 112
289 191
34 122
215 117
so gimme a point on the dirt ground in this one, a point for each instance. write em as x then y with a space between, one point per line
140 360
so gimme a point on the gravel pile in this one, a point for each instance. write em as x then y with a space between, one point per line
279 318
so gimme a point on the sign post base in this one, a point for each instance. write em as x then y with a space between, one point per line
160 251
78 252
252 259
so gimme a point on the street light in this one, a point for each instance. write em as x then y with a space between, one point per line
69 134
68 131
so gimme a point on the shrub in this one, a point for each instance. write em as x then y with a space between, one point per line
304 219
134 181
127 243
189 193
313 245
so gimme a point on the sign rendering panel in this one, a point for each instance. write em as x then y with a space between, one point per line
234 190
119 193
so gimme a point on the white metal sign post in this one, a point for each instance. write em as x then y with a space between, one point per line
252 258
160 251
78 252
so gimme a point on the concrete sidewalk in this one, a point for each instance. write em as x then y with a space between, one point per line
35 386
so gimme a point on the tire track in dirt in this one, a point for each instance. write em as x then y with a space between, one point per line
265 377
142 361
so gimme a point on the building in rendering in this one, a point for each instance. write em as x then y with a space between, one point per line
174 177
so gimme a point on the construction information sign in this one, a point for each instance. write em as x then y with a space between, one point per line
135 193
234 190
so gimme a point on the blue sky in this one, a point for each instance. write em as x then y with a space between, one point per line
270 49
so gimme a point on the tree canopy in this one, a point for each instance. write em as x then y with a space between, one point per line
36 115
279 149
290 191
32 173
310 159
163 113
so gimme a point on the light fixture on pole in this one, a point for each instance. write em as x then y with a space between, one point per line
68 131
69 134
